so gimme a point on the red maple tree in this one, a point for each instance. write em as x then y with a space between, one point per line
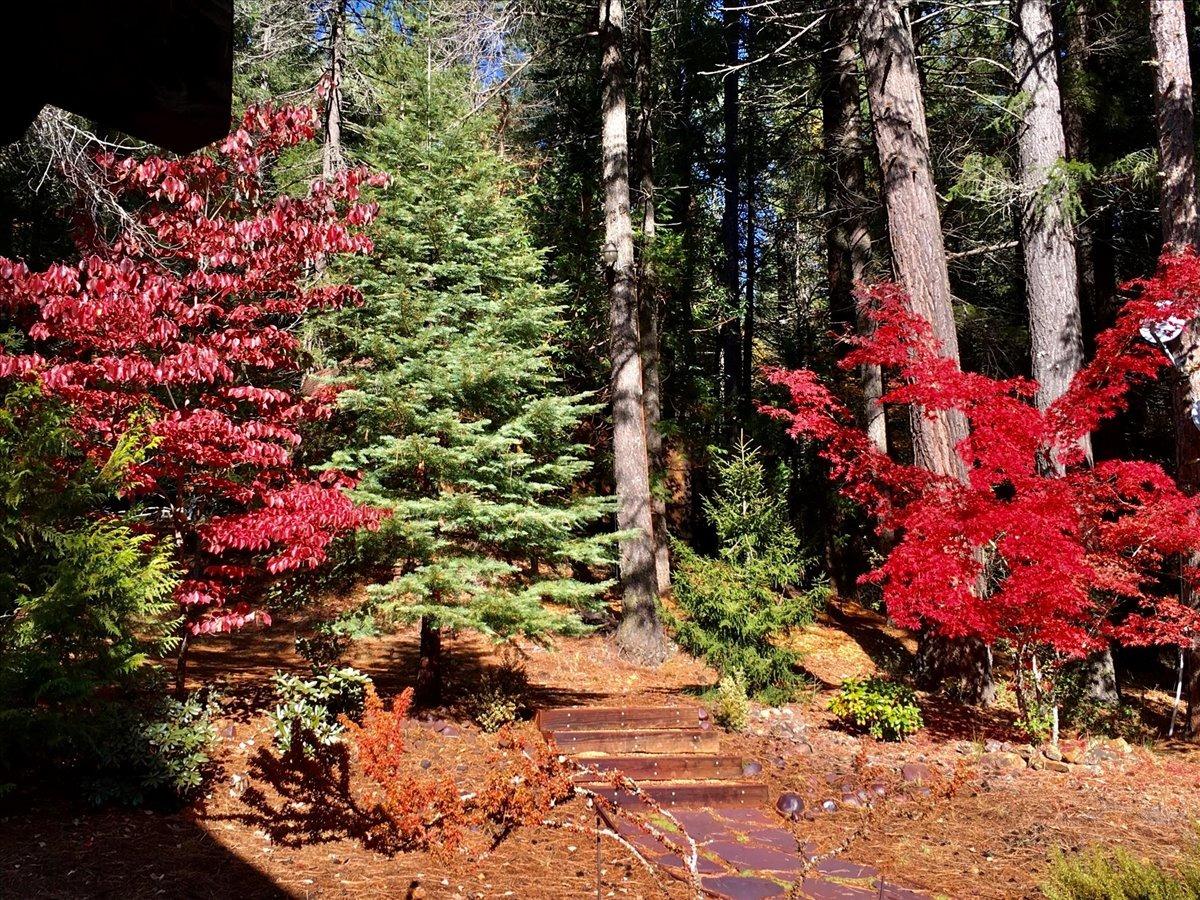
184 326
1037 547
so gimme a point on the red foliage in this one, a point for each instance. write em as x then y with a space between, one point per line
418 809
1068 555
185 324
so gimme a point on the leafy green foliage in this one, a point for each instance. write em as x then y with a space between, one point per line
138 755
735 607
86 608
887 710
308 716
1119 875
730 702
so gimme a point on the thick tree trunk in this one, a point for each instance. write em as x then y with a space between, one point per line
640 634
731 173
919 256
1175 118
428 690
332 158
914 222
1052 284
746 377
847 237
648 299
1047 235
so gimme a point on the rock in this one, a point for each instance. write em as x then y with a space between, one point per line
879 789
790 806
916 773
851 801
991 745
702 715
966 748
1037 762
803 747
1057 765
425 764
779 762
1002 761
1051 752
829 806
1025 751
1118 746
450 731
751 769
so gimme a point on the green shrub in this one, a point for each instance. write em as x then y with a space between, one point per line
885 709
134 756
307 717
1096 875
735 606
502 695
730 703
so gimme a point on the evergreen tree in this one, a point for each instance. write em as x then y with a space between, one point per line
455 416
737 605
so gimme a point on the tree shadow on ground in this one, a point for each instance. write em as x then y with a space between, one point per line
53 850
299 801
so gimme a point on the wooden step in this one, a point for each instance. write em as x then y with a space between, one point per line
601 718
645 740
694 793
665 768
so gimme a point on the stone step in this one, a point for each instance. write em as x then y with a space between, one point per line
643 740
609 718
724 794
691 767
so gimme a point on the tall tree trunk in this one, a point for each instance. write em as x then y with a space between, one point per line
731 172
847 237
1052 285
1047 236
746 377
648 296
919 256
1181 229
428 691
640 634
332 158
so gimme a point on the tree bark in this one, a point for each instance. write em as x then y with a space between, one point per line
847 237
648 298
332 157
1175 119
640 634
914 222
919 256
731 172
428 691
1047 235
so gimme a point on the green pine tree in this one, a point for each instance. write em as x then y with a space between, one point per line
735 607
455 417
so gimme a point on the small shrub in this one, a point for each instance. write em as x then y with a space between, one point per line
501 698
730 703
324 647
885 709
136 756
1095 875
308 717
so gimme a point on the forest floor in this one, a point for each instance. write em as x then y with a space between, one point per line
960 816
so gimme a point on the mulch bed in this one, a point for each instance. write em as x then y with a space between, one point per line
959 832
